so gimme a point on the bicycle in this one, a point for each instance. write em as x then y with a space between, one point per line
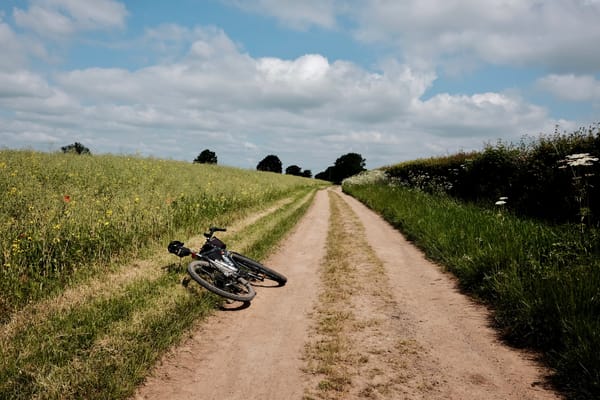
226 273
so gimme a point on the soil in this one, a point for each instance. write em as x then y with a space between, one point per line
426 340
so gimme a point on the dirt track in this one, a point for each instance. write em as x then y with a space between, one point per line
448 352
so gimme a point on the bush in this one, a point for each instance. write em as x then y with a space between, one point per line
529 174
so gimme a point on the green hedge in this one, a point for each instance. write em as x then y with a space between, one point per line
528 173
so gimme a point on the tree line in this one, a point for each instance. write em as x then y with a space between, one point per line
345 166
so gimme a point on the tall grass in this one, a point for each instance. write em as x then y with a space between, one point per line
543 281
66 216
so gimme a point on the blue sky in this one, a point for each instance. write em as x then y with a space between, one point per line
308 81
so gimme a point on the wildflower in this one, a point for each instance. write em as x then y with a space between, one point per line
578 160
501 201
67 198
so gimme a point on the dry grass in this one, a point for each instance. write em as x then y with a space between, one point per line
358 347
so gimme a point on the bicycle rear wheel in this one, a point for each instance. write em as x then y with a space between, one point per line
260 271
212 279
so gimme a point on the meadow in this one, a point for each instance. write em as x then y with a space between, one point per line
89 296
542 280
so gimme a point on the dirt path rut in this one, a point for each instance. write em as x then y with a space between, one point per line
425 339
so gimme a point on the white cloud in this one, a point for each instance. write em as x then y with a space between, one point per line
13 54
571 87
22 84
556 34
62 18
307 110
483 115
295 14
16 48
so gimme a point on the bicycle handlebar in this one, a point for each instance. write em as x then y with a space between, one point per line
212 230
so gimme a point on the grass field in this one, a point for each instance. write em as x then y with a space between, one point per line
543 281
90 297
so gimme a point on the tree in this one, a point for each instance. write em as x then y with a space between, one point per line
206 157
326 175
307 173
270 163
75 148
293 170
346 166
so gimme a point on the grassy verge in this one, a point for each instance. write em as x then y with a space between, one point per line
99 339
543 281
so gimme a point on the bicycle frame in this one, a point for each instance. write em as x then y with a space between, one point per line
220 258
228 274
223 262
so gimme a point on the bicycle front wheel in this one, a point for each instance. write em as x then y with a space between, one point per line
212 279
258 271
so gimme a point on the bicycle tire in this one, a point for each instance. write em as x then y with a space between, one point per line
257 267
239 290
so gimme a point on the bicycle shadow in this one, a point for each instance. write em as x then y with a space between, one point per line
224 305
266 284
231 305
174 268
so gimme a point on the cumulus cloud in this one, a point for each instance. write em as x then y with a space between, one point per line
248 107
12 54
17 48
479 114
558 35
555 34
22 84
209 93
572 87
295 14
65 17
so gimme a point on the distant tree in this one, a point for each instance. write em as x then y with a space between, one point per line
75 148
346 166
293 170
270 163
326 175
206 157
307 173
